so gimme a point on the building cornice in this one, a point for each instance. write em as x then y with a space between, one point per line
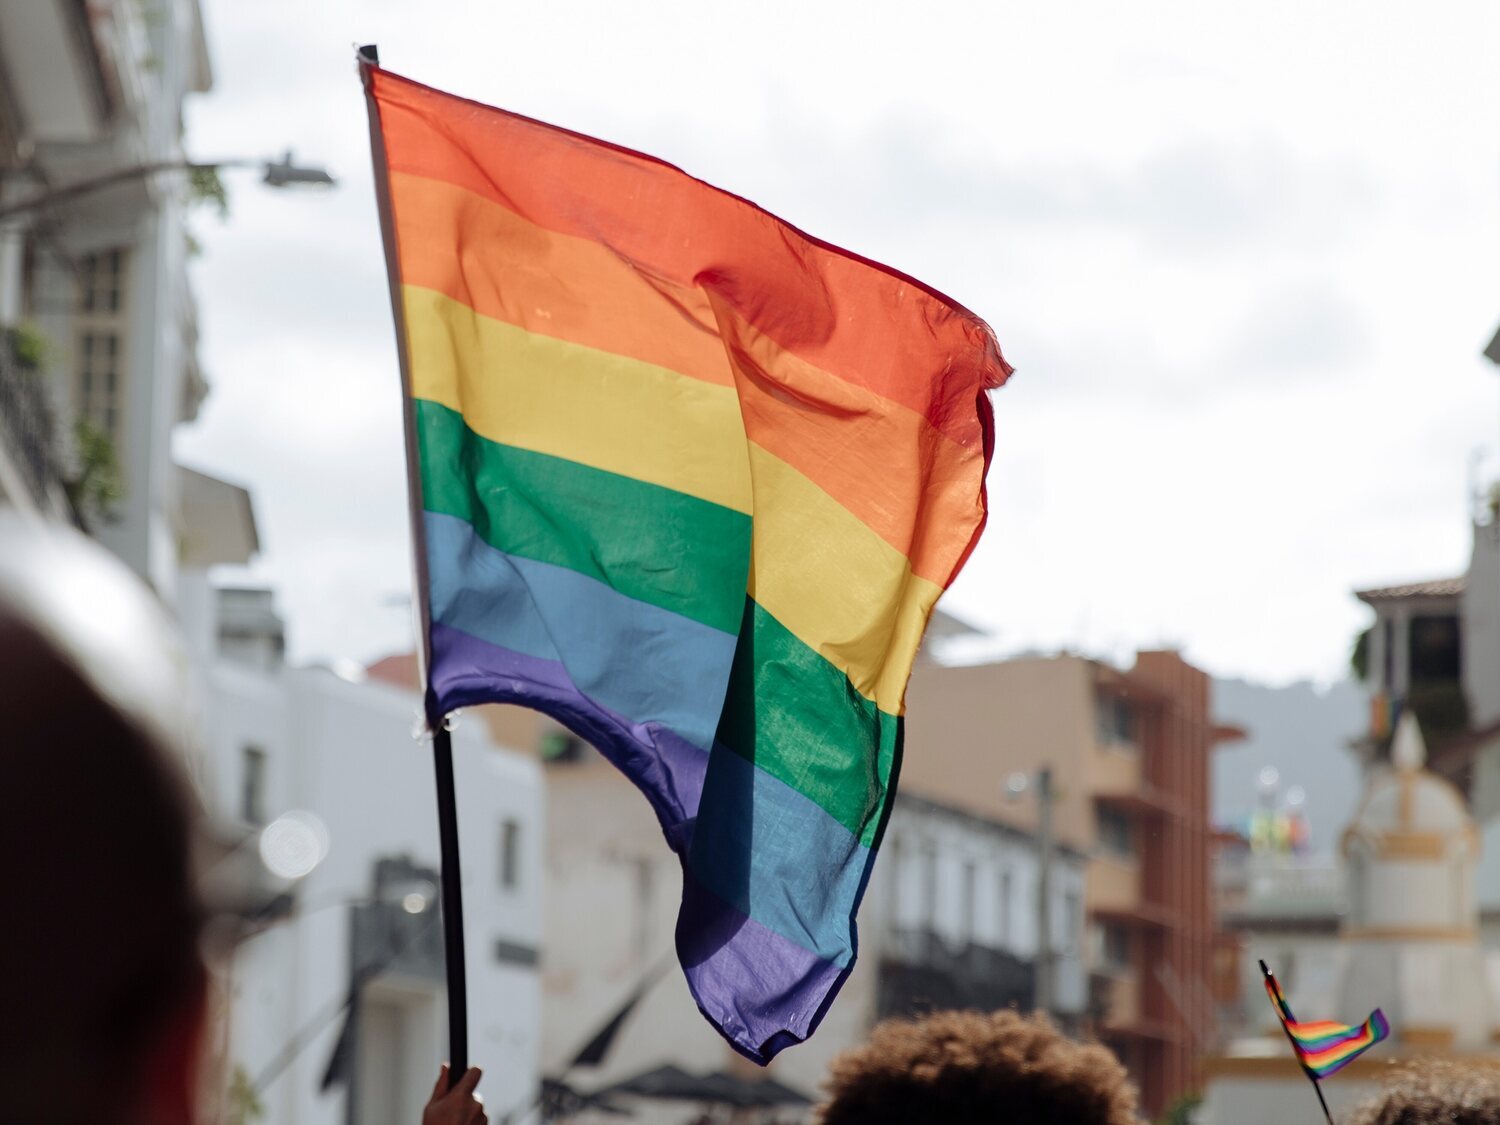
1461 934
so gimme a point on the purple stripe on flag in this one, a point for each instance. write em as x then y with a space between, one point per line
763 992
668 769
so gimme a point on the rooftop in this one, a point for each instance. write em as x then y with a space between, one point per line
1433 588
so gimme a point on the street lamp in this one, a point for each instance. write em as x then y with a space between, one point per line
275 173
285 173
1016 786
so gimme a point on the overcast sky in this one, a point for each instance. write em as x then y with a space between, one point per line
1244 259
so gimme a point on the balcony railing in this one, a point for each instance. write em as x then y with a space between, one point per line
386 936
1280 887
920 969
1120 996
26 430
1115 769
1114 883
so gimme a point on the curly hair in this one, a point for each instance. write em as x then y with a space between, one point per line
1432 1091
960 1067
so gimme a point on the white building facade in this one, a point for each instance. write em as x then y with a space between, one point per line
956 904
306 741
98 351
97 282
948 920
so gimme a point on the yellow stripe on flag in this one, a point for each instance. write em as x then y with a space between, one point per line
834 584
566 400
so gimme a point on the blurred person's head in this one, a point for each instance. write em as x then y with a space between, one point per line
1432 1091
101 982
961 1067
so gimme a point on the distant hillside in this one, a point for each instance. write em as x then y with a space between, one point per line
1301 731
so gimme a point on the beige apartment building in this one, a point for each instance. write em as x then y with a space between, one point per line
1129 755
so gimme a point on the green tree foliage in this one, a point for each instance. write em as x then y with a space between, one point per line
205 186
97 485
1181 1111
28 346
244 1105
1359 658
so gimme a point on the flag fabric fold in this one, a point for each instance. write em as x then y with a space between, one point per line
1325 1047
689 481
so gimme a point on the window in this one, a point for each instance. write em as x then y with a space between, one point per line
1115 951
1003 921
891 861
1071 917
253 785
1115 835
99 341
930 888
1116 720
970 893
101 280
510 854
1388 647
1434 648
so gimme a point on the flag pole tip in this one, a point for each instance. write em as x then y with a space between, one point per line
369 53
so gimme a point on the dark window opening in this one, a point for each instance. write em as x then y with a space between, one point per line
1115 835
510 858
1116 720
1435 648
1004 905
1116 951
253 785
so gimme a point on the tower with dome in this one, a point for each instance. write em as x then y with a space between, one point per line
1408 944
1411 937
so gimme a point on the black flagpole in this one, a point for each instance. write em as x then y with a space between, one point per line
453 906
442 741
1311 1077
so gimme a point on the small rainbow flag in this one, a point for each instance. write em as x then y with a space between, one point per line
691 482
1325 1047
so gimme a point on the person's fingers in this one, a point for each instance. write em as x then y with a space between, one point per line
467 1083
442 1084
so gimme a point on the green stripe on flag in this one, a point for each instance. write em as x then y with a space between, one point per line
798 718
650 543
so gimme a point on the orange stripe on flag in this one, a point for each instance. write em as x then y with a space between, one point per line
848 316
476 251
863 450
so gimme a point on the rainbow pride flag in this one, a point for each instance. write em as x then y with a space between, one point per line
690 482
1324 1047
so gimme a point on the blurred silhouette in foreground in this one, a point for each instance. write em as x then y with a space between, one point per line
963 1067
102 986
1433 1091
103 982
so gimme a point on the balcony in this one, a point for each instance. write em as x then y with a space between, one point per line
1114 884
1116 893
920 970
386 936
1118 780
27 463
1261 888
1115 768
1119 999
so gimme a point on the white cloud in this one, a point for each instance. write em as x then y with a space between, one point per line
1244 260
